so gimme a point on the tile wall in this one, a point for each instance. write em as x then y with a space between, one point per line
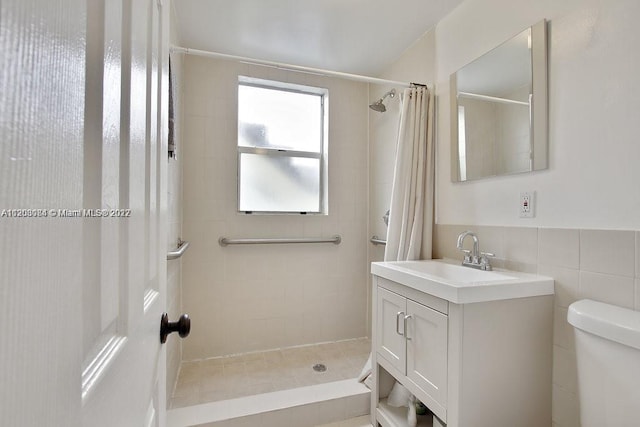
602 265
174 274
174 188
248 298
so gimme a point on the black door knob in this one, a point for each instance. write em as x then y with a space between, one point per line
182 326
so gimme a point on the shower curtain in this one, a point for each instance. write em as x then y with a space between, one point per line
411 217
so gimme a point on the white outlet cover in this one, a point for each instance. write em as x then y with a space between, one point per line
526 205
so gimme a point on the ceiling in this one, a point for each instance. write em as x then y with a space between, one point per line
353 36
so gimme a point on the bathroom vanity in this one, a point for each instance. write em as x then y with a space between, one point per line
474 346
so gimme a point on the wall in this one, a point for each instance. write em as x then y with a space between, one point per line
416 64
174 187
247 298
593 92
585 231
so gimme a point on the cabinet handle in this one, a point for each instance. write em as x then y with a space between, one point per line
398 315
406 318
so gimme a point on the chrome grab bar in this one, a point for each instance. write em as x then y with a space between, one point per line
180 250
377 241
224 241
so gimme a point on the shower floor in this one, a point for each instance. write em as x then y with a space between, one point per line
242 375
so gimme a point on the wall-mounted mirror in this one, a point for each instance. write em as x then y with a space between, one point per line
499 109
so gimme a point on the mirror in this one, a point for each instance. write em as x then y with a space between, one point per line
499 110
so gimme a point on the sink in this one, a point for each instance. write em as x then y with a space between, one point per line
449 280
452 272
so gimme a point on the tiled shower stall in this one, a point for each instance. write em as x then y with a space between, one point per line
251 305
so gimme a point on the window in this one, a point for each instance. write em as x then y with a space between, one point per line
281 147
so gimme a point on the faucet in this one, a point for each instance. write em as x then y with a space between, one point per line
474 258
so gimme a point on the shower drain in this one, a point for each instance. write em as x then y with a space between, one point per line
319 367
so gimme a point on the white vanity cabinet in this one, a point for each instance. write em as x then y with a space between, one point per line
481 362
412 343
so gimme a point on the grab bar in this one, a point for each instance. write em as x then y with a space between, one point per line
224 241
180 250
377 241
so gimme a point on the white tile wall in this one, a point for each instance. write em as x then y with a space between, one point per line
616 290
248 298
596 264
565 373
559 247
611 252
567 283
637 253
565 410
175 202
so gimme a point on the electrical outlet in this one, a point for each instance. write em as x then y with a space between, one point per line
527 204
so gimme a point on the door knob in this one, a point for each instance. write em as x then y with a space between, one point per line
182 326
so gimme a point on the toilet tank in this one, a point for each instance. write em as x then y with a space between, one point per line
608 358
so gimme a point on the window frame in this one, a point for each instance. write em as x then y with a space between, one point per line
320 155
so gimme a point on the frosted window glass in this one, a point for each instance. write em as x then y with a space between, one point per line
279 183
282 119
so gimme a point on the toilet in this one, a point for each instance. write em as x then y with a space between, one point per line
608 356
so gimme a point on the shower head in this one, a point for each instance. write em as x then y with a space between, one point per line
378 105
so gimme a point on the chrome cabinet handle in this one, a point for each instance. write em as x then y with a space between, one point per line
406 319
398 315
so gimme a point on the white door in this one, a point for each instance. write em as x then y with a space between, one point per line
82 135
390 331
427 355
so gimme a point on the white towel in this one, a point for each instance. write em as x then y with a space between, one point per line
365 375
399 396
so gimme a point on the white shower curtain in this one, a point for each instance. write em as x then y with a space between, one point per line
411 217
411 214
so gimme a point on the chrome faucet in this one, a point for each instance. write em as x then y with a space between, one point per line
474 258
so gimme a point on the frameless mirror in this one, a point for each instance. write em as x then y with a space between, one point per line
499 109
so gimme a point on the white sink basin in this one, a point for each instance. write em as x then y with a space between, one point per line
451 281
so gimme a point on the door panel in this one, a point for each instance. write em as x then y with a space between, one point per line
126 392
102 266
42 78
390 339
83 134
427 350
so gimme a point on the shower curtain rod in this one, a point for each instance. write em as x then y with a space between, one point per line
291 67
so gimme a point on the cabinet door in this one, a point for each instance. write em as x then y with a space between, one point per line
427 351
390 328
